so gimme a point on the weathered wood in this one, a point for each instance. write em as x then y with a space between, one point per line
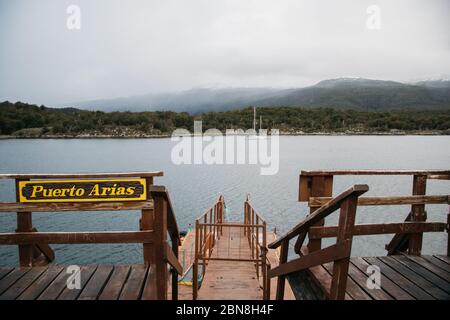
419 271
436 263
172 225
382 228
132 289
172 260
321 277
373 172
196 261
22 238
321 213
300 240
281 281
96 283
114 286
56 286
400 280
75 206
417 214
4 271
352 287
344 236
38 286
86 273
388 286
378 201
160 234
24 224
416 278
321 186
81 175
23 283
315 258
360 278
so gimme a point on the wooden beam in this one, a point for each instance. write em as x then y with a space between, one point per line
382 228
172 225
373 172
281 281
417 214
344 237
172 260
27 176
28 238
24 224
328 254
75 206
160 236
377 201
320 214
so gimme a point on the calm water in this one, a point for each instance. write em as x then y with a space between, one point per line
194 188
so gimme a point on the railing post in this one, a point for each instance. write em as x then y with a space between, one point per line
147 223
448 232
195 266
252 235
264 261
175 249
321 186
160 231
417 214
345 235
24 224
257 246
282 279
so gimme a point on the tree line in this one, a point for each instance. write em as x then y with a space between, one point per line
28 120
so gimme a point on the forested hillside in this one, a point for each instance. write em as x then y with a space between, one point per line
25 120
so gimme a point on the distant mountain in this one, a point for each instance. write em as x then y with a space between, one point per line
343 93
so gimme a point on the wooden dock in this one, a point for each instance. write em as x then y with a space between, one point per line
332 273
98 282
232 279
223 260
403 277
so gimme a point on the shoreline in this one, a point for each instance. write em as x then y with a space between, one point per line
163 136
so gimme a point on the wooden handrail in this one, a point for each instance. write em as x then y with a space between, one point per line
75 206
382 228
373 172
320 213
378 201
172 225
141 174
19 238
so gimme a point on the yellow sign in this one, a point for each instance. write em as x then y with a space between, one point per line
83 190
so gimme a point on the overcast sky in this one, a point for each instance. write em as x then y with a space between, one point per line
132 47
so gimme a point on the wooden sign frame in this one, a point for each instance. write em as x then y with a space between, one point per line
89 190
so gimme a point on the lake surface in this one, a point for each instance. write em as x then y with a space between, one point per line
194 188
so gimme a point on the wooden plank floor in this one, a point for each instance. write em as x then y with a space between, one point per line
236 280
98 282
402 278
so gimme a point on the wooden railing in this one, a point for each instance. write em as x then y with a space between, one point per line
256 232
157 221
338 253
209 229
316 188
